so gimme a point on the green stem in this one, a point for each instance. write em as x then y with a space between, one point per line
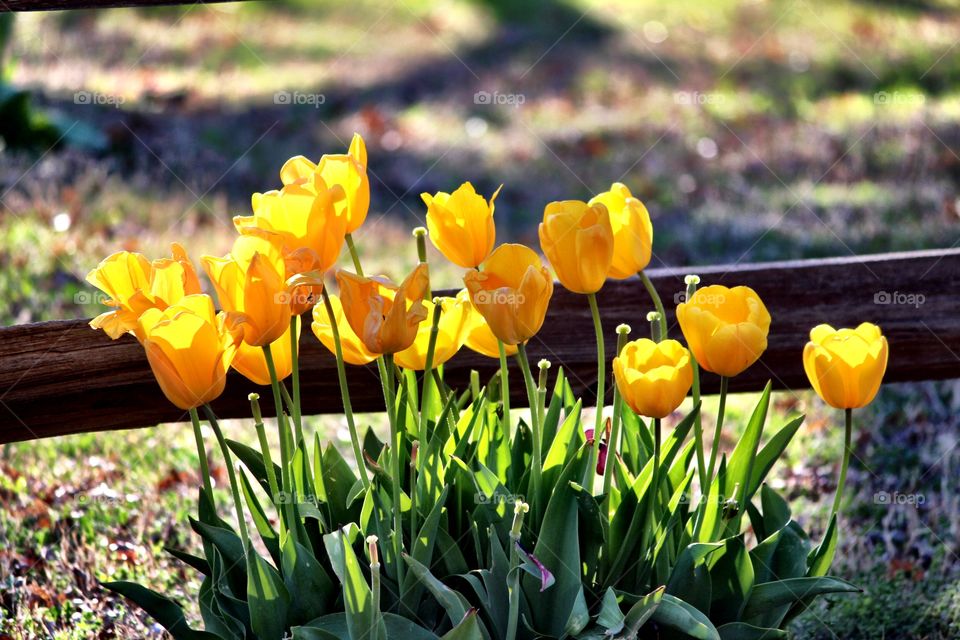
716 432
692 280
295 360
385 364
544 366
537 462
428 369
601 387
613 444
474 384
656 465
345 393
513 577
284 432
847 449
353 254
504 385
657 303
231 473
265 448
202 452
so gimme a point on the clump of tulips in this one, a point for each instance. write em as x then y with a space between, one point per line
471 521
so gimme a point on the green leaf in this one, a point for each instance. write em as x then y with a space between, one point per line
642 610
452 601
771 452
260 519
742 631
162 609
336 627
357 597
776 511
267 597
782 555
468 629
740 469
690 580
423 552
731 580
610 618
253 460
200 564
338 479
231 548
823 554
771 595
680 616
307 582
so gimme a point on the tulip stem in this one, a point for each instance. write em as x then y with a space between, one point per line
385 364
284 434
202 452
295 362
716 432
847 449
265 448
353 254
513 577
692 281
504 385
614 443
655 479
345 393
657 303
537 463
428 369
231 473
601 383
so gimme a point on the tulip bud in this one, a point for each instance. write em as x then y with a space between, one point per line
846 366
578 241
653 377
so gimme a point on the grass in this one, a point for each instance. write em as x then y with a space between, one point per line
752 130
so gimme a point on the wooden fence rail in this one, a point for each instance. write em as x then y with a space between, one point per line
56 5
63 377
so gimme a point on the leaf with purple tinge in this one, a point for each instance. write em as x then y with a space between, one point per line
533 566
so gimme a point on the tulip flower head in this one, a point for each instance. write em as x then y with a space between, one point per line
479 336
251 362
451 332
461 224
632 231
384 316
578 241
846 366
653 377
135 284
352 347
511 292
190 348
250 281
725 328
348 171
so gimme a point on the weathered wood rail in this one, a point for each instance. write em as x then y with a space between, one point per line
63 377
56 5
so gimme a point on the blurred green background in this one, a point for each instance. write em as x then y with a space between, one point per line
753 130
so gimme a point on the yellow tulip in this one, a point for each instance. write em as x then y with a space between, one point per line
384 316
480 338
511 292
348 171
632 231
726 329
451 332
135 284
461 224
846 366
251 362
352 347
304 216
190 349
653 377
250 280
578 241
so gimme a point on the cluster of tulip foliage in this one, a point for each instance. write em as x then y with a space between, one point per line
467 520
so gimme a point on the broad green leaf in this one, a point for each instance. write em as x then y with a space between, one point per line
267 597
336 627
776 511
310 588
423 552
162 609
731 580
214 619
260 519
742 631
200 564
823 554
231 548
338 479
468 629
782 555
452 601
743 458
610 618
680 616
253 460
771 452
357 597
770 595
690 580
642 610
